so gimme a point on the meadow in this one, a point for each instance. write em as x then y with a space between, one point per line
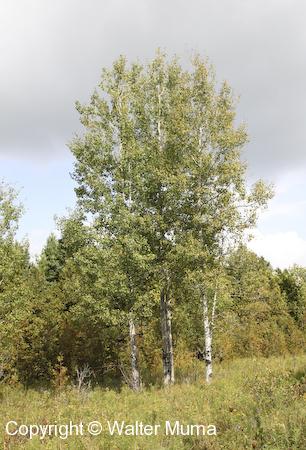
253 403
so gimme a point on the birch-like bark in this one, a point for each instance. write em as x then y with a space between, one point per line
135 376
159 132
207 340
165 312
165 315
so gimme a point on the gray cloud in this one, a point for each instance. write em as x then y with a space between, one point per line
52 53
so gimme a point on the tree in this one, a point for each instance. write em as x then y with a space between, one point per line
50 261
160 159
105 281
10 212
29 310
14 257
293 284
264 326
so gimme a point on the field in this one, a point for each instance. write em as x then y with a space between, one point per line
253 403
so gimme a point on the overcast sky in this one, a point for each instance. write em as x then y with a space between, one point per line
52 53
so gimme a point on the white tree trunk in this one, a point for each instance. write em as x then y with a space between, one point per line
207 340
135 376
168 361
165 312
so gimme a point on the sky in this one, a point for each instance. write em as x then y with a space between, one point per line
52 53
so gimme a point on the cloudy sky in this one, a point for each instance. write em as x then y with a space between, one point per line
52 52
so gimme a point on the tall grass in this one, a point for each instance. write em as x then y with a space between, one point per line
254 403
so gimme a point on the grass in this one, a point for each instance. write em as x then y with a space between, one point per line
254 403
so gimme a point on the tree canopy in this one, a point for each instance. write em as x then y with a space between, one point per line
149 272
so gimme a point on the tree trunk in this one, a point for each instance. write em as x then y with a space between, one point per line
207 340
135 376
165 314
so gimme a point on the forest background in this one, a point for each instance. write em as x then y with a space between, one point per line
148 280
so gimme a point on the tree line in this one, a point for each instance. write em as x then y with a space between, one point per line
150 269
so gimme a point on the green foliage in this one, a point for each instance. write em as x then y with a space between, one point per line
260 316
9 211
162 208
162 204
29 309
50 262
160 158
30 335
293 284
158 171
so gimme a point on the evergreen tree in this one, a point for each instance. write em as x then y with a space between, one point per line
50 262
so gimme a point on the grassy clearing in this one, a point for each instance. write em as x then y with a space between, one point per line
254 403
